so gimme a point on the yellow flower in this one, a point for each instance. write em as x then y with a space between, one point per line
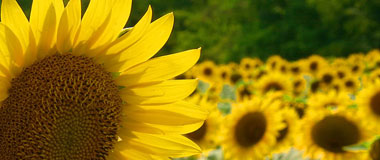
251 129
374 151
315 63
274 82
286 136
73 88
325 133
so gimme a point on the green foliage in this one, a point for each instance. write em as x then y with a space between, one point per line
228 30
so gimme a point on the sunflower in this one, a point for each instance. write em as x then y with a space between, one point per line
295 68
342 72
244 92
369 101
330 99
326 133
286 136
74 88
315 63
326 76
299 85
373 58
339 62
247 65
273 63
208 135
236 77
274 82
225 74
357 69
251 129
207 71
351 84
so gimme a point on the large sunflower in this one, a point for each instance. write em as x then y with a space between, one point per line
325 133
251 129
73 88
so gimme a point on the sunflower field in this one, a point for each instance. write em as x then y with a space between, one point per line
91 79
313 108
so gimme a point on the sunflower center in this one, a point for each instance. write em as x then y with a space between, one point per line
295 70
327 78
250 129
207 71
62 107
245 92
375 103
375 150
341 74
273 86
349 84
334 132
313 66
198 134
314 86
283 132
235 78
224 75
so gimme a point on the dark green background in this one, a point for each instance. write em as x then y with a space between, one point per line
228 30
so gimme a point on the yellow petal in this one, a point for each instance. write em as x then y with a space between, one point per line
68 26
12 58
93 25
152 70
126 40
148 45
163 92
179 113
44 19
129 125
132 36
13 17
164 145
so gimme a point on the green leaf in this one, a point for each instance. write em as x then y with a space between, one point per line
228 92
224 107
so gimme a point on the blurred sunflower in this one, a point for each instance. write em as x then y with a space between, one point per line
350 84
295 68
235 78
225 73
342 72
73 88
207 71
274 82
273 63
251 129
326 76
314 64
299 85
286 136
244 92
326 133
373 58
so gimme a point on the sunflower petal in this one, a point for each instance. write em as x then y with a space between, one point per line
12 57
44 20
68 26
163 92
164 145
13 16
93 26
179 113
148 45
132 36
151 70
